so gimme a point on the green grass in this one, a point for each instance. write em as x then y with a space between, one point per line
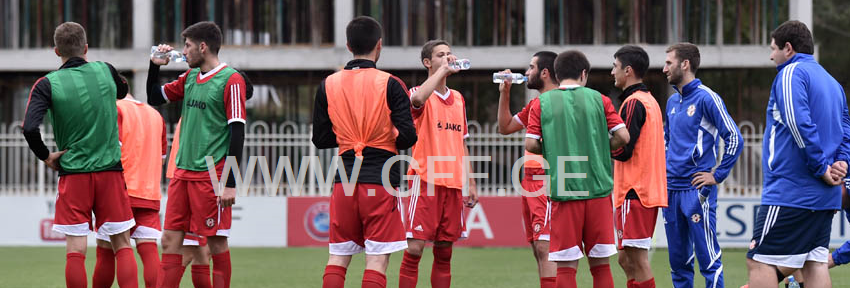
303 267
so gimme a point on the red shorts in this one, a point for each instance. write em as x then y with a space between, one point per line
536 211
635 224
191 239
582 226
435 217
193 206
103 193
361 222
147 225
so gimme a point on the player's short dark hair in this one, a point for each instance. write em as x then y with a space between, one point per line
546 60
635 57
428 48
206 32
570 64
70 39
363 34
797 33
686 51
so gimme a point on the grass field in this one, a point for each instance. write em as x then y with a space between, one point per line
303 267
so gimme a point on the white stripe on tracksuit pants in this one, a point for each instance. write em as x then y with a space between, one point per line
691 233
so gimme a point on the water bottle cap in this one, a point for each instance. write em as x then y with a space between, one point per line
791 278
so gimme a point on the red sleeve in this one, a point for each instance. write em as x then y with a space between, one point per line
615 122
415 112
234 99
173 90
533 127
120 120
522 116
164 140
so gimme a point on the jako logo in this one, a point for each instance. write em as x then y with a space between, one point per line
317 221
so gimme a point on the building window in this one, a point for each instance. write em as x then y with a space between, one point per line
460 22
30 24
249 22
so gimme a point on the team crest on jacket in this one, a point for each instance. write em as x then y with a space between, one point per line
695 218
691 110
210 222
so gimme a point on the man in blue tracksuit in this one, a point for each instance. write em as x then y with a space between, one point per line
696 118
805 154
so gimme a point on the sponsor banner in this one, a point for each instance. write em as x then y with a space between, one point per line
497 221
257 221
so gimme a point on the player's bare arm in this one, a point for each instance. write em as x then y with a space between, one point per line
620 139
507 125
427 88
534 145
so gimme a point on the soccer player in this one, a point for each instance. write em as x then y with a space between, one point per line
807 146
535 210
141 131
435 207
80 97
575 121
213 122
696 117
366 113
640 177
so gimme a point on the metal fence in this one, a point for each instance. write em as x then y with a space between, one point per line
22 174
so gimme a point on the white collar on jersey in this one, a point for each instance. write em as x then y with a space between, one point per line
571 86
205 75
444 96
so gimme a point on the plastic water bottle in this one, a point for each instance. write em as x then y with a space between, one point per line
514 78
460 64
173 55
792 283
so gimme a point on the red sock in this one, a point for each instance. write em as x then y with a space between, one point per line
75 270
645 284
441 270
602 276
566 278
630 283
104 268
409 272
374 279
170 272
201 276
128 272
547 282
221 269
334 277
150 262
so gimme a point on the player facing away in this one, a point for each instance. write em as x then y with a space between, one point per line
696 117
80 99
141 131
640 177
366 113
213 112
807 146
535 210
435 205
570 126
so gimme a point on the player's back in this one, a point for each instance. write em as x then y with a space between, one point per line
83 114
357 106
789 180
142 137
